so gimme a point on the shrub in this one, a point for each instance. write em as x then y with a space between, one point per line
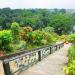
5 40
44 42
15 28
69 38
72 53
16 47
27 29
24 32
48 29
40 38
72 38
70 68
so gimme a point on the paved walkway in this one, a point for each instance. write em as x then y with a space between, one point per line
52 65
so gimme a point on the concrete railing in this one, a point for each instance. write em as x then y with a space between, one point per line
15 63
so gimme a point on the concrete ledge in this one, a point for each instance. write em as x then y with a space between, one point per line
1 69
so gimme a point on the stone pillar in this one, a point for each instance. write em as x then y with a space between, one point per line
1 69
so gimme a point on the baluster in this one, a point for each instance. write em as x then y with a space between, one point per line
50 50
59 46
39 56
56 47
7 68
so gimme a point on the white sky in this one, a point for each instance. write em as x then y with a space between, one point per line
67 4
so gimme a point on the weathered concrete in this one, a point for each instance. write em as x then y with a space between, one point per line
52 65
1 69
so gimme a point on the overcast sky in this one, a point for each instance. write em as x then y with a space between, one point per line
67 4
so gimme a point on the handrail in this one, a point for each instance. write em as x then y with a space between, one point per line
22 52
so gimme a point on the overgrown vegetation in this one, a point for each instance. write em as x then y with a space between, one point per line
5 40
68 38
70 68
25 38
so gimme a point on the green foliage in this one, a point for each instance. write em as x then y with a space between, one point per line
27 29
5 40
24 31
34 37
70 68
44 42
48 29
70 38
15 29
40 38
10 39
62 23
60 19
17 47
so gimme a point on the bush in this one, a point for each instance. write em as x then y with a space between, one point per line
5 40
40 38
15 28
72 38
70 68
16 47
72 53
27 29
48 29
44 42
34 37
69 38
24 32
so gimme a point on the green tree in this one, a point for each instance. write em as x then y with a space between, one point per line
63 10
62 23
